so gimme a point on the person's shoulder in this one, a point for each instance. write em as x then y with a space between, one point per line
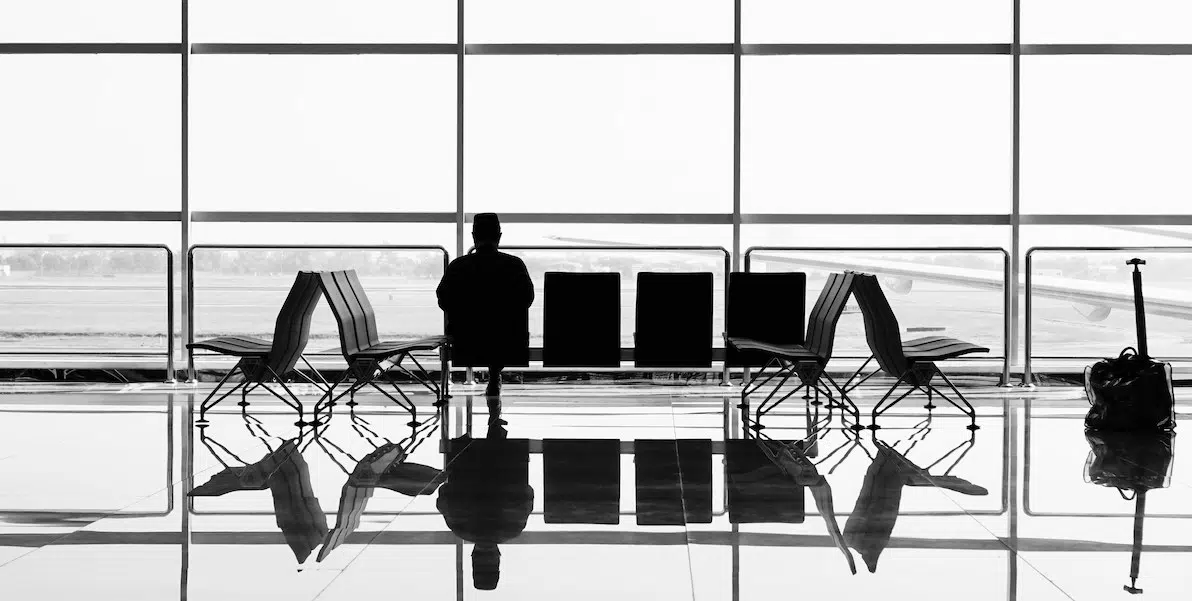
462 261
511 259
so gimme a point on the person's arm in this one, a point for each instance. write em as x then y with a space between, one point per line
444 291
527 285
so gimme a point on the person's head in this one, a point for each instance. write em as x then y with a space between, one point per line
486 230
486 566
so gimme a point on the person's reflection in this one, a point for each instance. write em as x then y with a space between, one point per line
287 476
1133 463
487 498
871 522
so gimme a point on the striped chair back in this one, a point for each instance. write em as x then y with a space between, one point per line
292 329
353 313
821 322
881 326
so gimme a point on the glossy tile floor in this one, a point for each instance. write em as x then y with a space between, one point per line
577 493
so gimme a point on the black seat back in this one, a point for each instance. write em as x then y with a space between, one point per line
581 320
767 307
292 329
673 326
353 313
821 322
881 326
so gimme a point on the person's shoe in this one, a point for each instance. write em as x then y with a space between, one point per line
493 388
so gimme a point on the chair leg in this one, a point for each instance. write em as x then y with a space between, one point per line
878 410
930 405
296 404
845 404
208 403
967 407
848 384
408 404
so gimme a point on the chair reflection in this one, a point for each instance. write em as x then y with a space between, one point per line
285 473
871 523
386 466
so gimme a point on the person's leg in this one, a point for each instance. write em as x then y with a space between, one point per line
494 380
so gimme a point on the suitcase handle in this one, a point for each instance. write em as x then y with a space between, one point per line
1139 308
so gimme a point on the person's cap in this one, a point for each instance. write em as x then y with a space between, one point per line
486 567
486 223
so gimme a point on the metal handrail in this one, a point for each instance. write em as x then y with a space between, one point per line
728 265
1027 376
1008 332
190 273
170 376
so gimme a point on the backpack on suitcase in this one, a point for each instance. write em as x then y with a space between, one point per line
1131 392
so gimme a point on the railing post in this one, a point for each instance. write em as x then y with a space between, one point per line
1007 318
171 375
1027 318
190 314
728 270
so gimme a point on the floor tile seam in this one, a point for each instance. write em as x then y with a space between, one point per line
108 515
683 501
1001 540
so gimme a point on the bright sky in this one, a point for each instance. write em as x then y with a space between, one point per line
820 134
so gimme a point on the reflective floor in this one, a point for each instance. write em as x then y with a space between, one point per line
581 493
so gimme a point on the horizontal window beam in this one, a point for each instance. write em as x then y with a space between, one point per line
90 48
615 218
1106 49
323 49
318 217
604 218
90 216
1106 219
868 219
588 49
596 49
797 49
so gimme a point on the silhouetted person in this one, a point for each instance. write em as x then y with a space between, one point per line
486 295
487 498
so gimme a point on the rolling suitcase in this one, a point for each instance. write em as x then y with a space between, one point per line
1131 392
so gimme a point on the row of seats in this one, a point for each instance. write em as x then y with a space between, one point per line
673 318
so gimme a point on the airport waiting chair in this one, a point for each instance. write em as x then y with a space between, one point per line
369 359
807 363
262 362
913 365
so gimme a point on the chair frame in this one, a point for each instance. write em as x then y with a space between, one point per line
809 361
262 363
358 336
916 369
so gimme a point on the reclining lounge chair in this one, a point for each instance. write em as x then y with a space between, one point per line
913 365
262 362
805 362
369 359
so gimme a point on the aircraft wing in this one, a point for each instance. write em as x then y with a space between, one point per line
1168 302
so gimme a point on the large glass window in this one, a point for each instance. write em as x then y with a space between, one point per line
876 134
608 21
1106 134
567 134
91 20
1106 21
323 133
323 21
90 132
876 21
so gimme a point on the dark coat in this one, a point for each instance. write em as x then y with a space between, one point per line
486 296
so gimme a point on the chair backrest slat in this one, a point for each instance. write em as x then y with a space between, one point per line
821 322
353 336
364 308
881 326
292 329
